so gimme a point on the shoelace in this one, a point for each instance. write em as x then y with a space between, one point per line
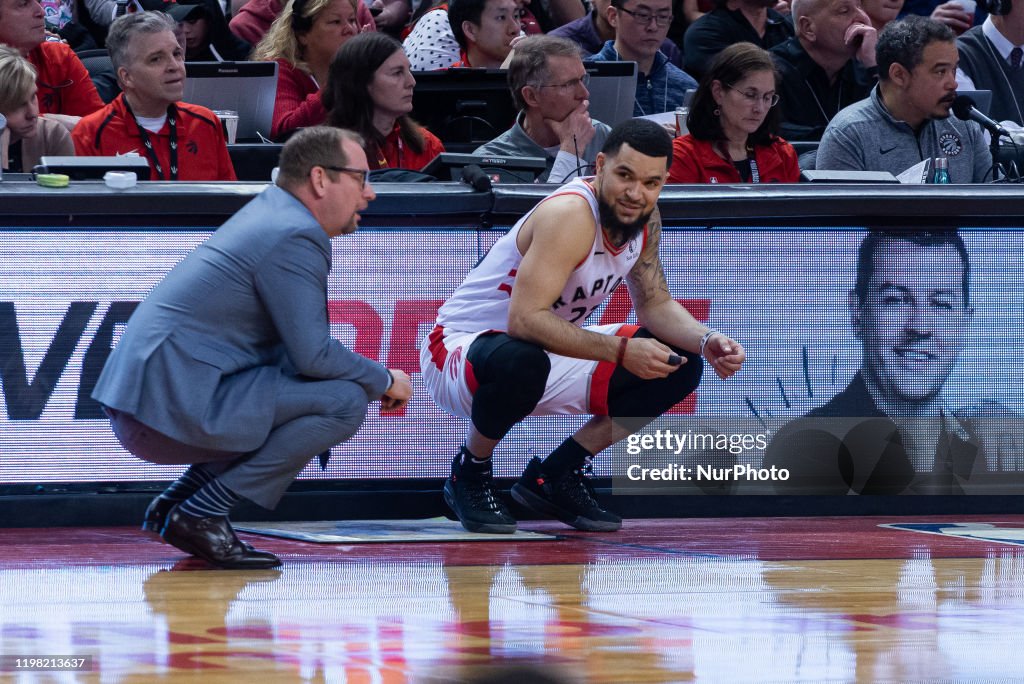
577 486
481 494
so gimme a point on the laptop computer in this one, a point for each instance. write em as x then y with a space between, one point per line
612 90
248 88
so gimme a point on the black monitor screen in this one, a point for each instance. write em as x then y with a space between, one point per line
464 107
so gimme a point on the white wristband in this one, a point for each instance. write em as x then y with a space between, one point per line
704 340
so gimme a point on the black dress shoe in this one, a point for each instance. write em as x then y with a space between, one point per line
156 515
213 540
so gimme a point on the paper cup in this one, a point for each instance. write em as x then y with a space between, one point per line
968 6
681 114
229 120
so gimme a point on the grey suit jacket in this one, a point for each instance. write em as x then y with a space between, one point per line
201 358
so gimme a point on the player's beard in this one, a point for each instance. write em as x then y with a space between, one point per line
618 230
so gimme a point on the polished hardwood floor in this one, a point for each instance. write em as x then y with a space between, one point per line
717 600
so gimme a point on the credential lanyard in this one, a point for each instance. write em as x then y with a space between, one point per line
147 143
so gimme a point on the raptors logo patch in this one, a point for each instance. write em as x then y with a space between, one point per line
950 144
453 363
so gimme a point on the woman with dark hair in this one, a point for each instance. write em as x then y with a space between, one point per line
733 125
369 90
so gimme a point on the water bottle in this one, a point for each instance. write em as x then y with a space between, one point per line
941 174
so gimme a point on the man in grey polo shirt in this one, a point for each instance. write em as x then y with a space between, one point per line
907 117
548 83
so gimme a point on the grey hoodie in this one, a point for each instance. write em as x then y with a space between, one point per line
866 137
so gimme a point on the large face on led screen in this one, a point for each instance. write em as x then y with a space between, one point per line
913 318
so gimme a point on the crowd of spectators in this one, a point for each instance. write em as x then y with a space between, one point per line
858 84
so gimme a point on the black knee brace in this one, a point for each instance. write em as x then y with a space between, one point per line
511 375
632 396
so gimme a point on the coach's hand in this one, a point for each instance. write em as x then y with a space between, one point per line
649 359
398 394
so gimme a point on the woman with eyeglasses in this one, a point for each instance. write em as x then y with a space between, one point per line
369 91
733 125
303 40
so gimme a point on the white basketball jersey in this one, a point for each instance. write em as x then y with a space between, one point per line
481 302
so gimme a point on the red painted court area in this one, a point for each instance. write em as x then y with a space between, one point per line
739 599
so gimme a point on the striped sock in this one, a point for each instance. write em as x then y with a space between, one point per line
188 484
212 501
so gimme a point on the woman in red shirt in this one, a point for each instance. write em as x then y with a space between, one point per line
303 40
369 90
733 125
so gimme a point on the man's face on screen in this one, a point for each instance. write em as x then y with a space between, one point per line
914 320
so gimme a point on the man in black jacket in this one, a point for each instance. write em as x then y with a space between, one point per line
828 65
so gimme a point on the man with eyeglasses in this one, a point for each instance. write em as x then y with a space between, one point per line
640 29
229 364
828 65
592 31
549 87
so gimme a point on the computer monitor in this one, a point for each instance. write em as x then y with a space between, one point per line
448 166
93 168
254 161
248 88
612 90
464 107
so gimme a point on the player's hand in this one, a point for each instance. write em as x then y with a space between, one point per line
649 359
953 15
782 7
398 394
865 38
724 355
577 124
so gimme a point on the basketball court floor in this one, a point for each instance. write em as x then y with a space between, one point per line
852 599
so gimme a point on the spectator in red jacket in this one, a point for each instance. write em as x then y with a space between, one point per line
180 141
303 40
64 85
253 19
369 91
733 125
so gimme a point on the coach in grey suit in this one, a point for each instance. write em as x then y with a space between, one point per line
229 363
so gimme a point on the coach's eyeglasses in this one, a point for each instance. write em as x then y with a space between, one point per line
359 174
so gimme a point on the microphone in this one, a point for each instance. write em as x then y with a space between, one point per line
473 175
964 109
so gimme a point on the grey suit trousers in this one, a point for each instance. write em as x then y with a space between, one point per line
310 417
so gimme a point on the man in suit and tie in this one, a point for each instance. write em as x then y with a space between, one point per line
229 364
